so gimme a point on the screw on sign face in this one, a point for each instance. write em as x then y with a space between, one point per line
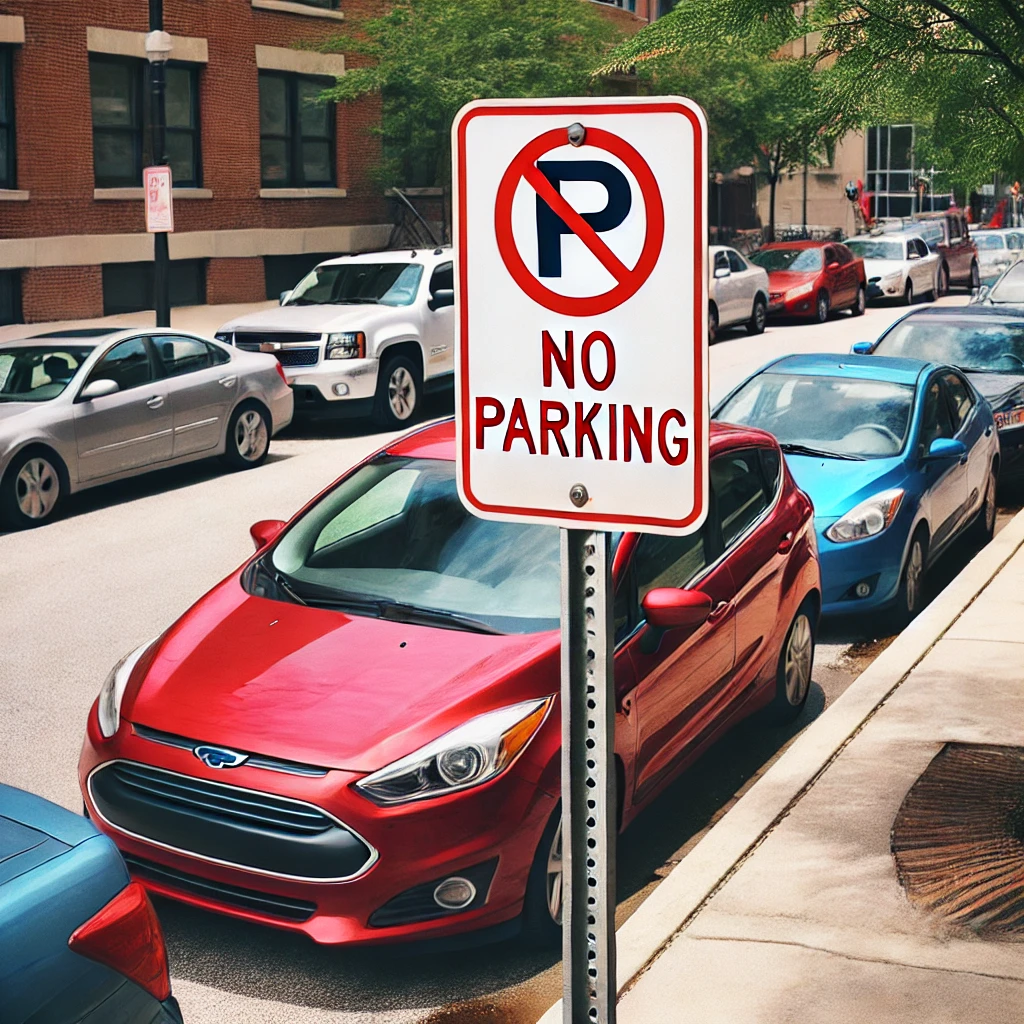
582 364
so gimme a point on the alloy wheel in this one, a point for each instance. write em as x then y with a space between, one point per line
37 488
990 506
401 393
822 308
915 572
760 316
798 659
251 437
553 879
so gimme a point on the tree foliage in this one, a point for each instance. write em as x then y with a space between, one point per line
430 57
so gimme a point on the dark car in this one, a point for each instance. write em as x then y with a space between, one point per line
79 942
812 279
948 234
987 344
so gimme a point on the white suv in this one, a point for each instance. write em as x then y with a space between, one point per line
361 335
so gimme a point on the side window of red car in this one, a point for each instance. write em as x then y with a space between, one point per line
843 255
740 492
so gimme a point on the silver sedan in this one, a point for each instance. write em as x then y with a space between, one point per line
85 407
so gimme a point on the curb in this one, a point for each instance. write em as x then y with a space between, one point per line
713 861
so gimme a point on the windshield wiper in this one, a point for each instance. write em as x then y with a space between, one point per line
417 616
273 576
803 449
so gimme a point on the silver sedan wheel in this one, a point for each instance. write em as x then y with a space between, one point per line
251 438
37 488
797 664
554 876
401 393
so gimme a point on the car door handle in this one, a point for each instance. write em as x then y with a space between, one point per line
155 402
786 543
719 611
229 381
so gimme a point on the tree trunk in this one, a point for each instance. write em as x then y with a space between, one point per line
773 180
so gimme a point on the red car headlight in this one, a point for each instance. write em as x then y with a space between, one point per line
479 750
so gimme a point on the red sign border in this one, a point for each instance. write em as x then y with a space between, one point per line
701 426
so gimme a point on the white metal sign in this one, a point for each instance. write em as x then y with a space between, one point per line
159 201
581 260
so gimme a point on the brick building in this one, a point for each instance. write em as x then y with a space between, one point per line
265 180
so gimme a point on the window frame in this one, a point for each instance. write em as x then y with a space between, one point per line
935 378
7 117
155 367
328 5
293 137
741 264
136 130
167 368
954 410
195 129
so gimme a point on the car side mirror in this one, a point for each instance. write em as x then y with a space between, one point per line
671 608
264 532
982 293
441 298
99 389
863 348
721 272
833 266
285 296
943 448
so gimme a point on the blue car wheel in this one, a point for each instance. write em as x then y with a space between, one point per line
910 596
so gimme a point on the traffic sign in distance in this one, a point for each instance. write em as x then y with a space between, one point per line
581 256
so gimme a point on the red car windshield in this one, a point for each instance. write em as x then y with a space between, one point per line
393 540
788 259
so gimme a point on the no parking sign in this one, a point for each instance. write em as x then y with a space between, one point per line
581 370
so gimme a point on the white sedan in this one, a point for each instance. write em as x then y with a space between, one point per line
998 248
897 266
737 292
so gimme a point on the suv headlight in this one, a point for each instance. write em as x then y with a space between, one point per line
467 756
802 289
869 518
109 707
348 345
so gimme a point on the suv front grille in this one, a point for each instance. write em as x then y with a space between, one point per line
247 339
228 824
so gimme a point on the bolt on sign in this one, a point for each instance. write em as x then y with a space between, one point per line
581 259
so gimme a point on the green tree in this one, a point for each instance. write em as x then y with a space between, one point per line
430 57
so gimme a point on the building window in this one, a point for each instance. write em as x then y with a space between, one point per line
7 175
10 297
890 172
122 141
128 287
326 5
296 132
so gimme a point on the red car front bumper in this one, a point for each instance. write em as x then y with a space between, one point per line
489 833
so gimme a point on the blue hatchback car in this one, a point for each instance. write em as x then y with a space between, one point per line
79 941
899 457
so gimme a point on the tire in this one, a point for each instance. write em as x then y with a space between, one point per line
540 925
758 316
984 527
908 293
796 663
942 283
822 308
33 489
975 278
399 393
910 596
860 304
712 324
248 437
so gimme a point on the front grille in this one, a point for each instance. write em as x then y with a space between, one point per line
227 824
274 764
298 356
269 905
245 339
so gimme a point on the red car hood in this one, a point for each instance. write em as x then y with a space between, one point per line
783 280
325 688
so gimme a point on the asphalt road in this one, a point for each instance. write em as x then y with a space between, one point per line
127 559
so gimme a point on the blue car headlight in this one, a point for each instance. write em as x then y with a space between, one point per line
869 518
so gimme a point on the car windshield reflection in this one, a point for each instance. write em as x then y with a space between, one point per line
788 259
845 417
387 284
971 345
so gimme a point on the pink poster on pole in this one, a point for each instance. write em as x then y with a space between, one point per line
159 206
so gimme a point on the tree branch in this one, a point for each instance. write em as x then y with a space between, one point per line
981 35
1013 13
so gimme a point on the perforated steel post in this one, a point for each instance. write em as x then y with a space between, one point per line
588 780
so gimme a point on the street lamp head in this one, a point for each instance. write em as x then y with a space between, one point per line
158 47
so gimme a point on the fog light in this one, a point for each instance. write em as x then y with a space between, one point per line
862 589
340 389
455 893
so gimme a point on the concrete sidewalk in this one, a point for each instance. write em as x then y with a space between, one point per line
790 909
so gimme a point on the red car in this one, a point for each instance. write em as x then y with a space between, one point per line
356 735
812 279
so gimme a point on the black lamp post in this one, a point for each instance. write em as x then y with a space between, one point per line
158 49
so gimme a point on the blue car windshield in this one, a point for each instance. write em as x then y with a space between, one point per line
975 344
866 419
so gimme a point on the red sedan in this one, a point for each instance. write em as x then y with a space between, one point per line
356 735
812 279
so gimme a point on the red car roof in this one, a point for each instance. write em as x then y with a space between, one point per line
437 441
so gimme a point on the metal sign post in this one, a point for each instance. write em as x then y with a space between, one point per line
581 282
589 816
